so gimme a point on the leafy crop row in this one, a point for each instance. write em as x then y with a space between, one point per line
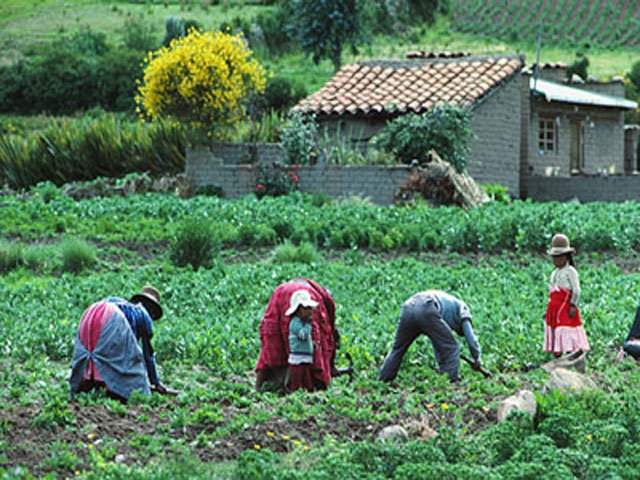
494 227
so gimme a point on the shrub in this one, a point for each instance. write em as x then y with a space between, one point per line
444 129
202 80
210 191
579 67
61 81
299 137
280 94
257 234
116 74
39 258
276 27
177 27
77 255
138 35
194 245
46 191
276 180
289 253
11 256
497 193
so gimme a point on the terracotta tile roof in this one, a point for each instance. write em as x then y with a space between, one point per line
410 85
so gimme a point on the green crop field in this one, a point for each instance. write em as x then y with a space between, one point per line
207 343
59 255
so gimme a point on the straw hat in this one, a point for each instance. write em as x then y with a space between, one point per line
300 297
149 297
560 245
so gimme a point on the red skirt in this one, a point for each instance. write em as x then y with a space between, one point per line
300 377
562 333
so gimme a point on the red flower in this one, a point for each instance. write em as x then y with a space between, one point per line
290 173
259 186
295 178
297 165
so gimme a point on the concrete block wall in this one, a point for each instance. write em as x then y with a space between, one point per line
379 184
494 155
615 188
247 153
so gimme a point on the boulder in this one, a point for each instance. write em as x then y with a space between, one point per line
568 381
523 401
393 433
573 361
420 429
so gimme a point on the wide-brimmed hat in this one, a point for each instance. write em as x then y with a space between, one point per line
300 297
560 245
149 296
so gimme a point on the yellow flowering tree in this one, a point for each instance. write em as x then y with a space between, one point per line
202 80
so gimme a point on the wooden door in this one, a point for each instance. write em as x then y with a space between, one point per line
576 147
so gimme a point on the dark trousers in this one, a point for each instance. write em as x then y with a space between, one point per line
420 317
300 377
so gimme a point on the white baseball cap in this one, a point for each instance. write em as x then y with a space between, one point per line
300 297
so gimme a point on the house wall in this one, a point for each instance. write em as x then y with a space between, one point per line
494 155
495 152
525 134
220 166
631 148
603 139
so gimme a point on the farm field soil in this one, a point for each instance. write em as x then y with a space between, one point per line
208 343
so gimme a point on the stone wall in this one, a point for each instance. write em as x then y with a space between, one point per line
615 188
210 167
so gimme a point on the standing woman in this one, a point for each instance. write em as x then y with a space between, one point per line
563 331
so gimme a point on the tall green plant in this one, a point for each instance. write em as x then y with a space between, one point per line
72 150
446 129
194 245
299 137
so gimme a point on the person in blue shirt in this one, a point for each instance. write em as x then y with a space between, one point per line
300 310
438 315
107 353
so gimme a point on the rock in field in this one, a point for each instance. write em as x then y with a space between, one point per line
568 381
524 401
393 433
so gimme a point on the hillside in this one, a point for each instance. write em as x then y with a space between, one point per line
603 23
26 26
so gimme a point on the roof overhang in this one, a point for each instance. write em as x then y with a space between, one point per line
556 92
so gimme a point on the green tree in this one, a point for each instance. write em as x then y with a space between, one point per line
325 26
634 80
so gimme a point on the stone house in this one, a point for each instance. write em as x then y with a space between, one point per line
524 126
581 122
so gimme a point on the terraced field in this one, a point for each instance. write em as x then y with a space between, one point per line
605 23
